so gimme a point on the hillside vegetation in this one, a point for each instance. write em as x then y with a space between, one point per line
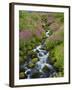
33 26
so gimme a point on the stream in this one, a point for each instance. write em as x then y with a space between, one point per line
38 71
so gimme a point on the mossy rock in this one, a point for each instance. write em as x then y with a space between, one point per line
34 60
22 75
45 69
31 65
36 75
32 54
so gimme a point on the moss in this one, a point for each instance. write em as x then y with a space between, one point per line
45 69
31 65
22 75
34 60
36 75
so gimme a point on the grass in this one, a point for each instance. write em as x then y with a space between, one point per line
29 20
59 17
57 57
55 39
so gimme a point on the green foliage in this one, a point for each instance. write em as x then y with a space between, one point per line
37 38
57 58
50 44
26 49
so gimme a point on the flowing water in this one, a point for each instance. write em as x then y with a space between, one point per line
43 62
